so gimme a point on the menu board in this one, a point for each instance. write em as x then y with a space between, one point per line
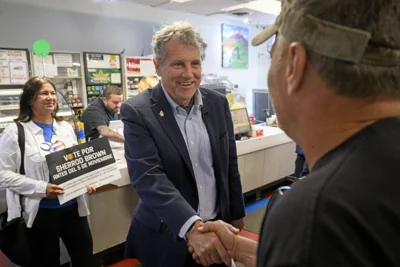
14 67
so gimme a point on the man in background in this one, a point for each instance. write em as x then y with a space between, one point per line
100 112
335 85
301 167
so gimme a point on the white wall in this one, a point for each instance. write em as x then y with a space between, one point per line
83 25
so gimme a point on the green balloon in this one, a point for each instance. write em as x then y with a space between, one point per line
41 47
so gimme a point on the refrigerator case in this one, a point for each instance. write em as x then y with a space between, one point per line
9 106
135 68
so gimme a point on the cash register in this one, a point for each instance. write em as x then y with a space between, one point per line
241 123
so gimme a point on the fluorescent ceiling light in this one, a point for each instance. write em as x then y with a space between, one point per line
266 6
180 1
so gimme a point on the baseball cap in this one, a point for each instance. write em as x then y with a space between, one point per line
328 39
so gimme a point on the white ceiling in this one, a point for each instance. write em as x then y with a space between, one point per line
202 7
259 12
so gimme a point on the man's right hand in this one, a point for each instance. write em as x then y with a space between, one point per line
239 248
52 190
226 233
207 247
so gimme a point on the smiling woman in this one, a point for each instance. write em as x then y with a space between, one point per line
46 219
38 100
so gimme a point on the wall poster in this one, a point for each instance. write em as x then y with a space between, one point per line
14 67
235 47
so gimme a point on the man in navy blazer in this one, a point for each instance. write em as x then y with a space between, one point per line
181 155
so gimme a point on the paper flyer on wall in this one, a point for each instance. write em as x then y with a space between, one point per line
19 72
75 168
63 60
14 67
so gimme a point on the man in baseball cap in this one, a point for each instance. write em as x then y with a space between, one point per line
335 86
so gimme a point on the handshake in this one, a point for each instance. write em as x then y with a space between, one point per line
214 242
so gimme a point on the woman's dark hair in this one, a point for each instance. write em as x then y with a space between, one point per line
28 97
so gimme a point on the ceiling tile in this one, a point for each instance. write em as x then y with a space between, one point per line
208 7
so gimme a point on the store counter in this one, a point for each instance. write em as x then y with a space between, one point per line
111 208
262 160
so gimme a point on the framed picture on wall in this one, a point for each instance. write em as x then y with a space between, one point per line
235 47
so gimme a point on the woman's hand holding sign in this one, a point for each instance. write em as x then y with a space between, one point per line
52 190
91 189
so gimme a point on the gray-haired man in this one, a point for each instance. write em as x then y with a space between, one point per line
181 155
335 85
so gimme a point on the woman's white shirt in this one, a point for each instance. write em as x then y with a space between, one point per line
33 184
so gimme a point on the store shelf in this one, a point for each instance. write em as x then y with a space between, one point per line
9 107
94 84
7 119
79 106
60 77
64 113
6 92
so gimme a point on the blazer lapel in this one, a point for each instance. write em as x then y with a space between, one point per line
163 112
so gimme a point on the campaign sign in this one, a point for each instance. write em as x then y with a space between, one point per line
76 167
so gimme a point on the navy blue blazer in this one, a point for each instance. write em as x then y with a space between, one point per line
159 164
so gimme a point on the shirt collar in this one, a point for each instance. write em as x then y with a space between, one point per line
198 99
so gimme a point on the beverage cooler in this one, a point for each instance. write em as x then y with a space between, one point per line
135 68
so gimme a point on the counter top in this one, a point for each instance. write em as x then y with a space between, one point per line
273 136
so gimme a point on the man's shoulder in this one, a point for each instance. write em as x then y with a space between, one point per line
95 105
212 94
93 108
141 100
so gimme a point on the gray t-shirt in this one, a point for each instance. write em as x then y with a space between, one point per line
94 116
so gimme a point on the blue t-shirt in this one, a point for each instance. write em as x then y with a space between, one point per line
50 203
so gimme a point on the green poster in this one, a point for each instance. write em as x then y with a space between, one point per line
104 76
